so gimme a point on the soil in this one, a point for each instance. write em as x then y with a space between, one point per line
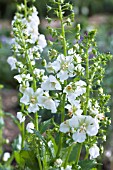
10 105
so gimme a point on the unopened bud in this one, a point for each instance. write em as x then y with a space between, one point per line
44 63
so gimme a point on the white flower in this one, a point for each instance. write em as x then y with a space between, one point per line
12 62
83 125
42 41
66 67
20 117
79 68
58 162
64 127
63 66
74 109
53 67
68 167
70 93
32 26
38 72
31 98
73 90
48 103
23 77
29 127
81 88
6 156
51 83
23 86
94 151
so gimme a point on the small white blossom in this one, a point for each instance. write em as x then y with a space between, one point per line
51 83
23 86
31 98
74 109
58 162
42 41
63 66
20 117
94 151
53 67
30 127
38 72
12 62
48 103
23 77
73 90
6 156
64 127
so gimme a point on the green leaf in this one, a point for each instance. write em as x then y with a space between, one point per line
88 164
73 154
45 125
26 158
30 159
20 161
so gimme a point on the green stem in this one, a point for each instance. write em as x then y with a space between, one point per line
22 128
62 120
39 160
63 30
36 121
25 9
78 153
23 134
68 154
31 71
64 96
87 81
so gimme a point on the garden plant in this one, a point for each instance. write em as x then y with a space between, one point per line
66 85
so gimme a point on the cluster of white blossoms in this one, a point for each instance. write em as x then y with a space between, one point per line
28 44
27 39
80 126
64 66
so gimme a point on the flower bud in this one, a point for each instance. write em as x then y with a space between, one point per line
78 28
44 62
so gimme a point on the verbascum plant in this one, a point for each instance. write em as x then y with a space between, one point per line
68 85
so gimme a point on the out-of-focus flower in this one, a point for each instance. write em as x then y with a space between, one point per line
94 151
12 62
6 156
30 127
58 162
20 117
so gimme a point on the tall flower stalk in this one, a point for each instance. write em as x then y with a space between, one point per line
67 86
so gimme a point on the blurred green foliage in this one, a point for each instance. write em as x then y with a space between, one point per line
8 7
6 76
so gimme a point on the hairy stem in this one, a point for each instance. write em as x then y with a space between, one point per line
78 153
25 9
63 30
68 154
64 96
87 81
